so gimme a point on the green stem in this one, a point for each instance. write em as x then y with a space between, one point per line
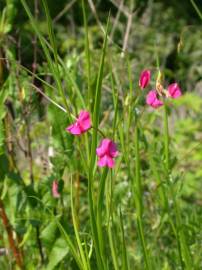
138 200
184 251
196 9
138 184
96 113
124 251
110 222
93 224
87 53
166 141
100 200
161 187
143 242
76 231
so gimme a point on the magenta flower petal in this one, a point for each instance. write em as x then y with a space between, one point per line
102 162
82 124
74 129
103 147
106 161
174 90
110 162
151 96
106 152
55 192
100 152
84 120
152 99
157 103
83 116
145 77
113 150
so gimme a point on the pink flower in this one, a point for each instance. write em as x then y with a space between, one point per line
174 90
152 99
144 78
82 124
55 192
106 151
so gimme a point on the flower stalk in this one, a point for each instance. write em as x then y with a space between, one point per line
184 251
139 200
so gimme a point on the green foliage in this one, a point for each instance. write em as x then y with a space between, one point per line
58 252
145 213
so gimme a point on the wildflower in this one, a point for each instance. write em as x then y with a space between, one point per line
55 192
152 99
144 78
174 90
81 125
106 152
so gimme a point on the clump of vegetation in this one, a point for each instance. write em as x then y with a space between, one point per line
100 135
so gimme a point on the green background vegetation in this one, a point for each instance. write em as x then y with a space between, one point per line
35 149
